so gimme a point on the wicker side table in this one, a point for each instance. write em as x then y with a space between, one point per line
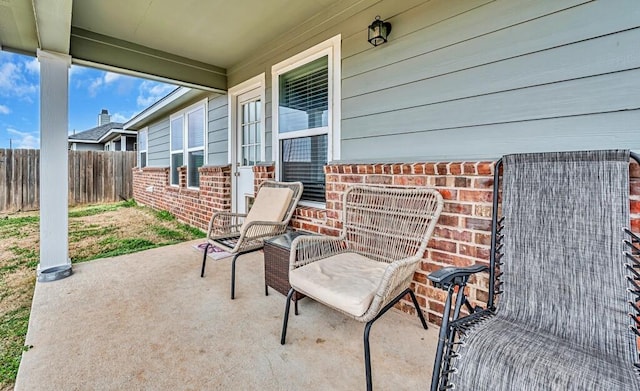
276 264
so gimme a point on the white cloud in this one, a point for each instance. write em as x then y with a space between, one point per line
32 66
24 140
120 117
103 81
94 86
75 70
110 77
4 110
13 81
151 92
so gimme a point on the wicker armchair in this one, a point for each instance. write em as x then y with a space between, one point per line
269 216
369 268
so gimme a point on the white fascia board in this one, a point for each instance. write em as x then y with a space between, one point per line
76 140
116 131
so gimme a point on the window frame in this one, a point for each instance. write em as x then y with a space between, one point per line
144 132
332 49
184 115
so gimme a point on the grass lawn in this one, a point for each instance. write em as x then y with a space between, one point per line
94 232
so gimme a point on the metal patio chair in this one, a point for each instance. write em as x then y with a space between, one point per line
563 308
239 233
369 268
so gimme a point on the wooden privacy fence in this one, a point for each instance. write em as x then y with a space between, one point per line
94 177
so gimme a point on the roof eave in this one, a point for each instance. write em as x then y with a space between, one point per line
171 102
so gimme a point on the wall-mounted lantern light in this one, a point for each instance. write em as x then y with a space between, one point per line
379 31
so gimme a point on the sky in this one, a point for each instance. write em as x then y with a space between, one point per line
90 91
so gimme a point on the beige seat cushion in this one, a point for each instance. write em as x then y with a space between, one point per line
271 204
345 281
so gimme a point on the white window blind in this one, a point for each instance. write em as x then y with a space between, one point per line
303 159
304 97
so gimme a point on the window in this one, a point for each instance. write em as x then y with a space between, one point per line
188 131
177 149
142 145
306 113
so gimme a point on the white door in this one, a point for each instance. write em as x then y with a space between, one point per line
248 147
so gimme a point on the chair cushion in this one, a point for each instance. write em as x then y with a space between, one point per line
501 355
271 204
346 281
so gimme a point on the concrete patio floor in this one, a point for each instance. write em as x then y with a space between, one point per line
147 321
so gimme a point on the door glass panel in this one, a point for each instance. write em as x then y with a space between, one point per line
250 134
252 111
252 156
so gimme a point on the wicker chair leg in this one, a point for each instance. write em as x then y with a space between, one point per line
286 316
204 259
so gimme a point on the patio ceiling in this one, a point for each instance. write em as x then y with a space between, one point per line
191 42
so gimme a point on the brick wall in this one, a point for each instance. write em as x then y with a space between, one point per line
463 233
461 238
191 206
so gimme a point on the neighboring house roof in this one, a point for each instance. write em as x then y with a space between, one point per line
99 133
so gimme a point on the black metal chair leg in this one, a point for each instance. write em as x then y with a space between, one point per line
233 276
367 329
204 259
418 310
367 355
437 366
286 316
295 307
266 290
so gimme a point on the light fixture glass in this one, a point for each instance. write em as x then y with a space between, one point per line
379 31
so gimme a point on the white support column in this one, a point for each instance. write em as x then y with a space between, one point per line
54 171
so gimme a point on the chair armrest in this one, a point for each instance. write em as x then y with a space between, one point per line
262 229
224 223
396 278
447 276
307 248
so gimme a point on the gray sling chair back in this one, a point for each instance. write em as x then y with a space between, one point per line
563 309
369 268
239 233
